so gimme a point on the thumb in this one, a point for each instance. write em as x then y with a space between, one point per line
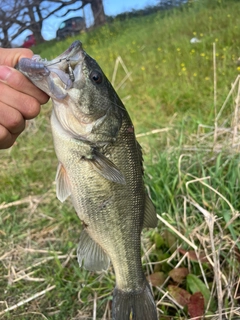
10 57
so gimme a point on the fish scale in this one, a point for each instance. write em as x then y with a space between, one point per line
100 168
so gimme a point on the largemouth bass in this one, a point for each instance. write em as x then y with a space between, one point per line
100 168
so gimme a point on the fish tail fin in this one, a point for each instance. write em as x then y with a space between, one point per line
134 305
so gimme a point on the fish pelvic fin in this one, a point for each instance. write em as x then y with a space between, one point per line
63 189
134 305
90 255
150 217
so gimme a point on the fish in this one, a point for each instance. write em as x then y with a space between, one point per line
101 169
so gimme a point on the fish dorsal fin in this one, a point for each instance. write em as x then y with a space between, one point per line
62 183
90 255
106 168
150 218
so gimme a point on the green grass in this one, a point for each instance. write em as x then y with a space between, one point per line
157 51
187 173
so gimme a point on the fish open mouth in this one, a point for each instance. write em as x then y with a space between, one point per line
57 73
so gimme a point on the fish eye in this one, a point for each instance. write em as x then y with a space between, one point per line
96 77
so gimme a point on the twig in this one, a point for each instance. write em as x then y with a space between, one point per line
215 79
211 188
28 199
42 262
21 303
177 265
152 132
35 313
6 254
128 74
177 232
210 220
41 251
123 80
236 114
107 311
166 294
228 96
146 256
95 306
215 93
27 277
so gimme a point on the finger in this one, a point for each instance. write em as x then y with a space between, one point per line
11 119
19 82
28 106
6 138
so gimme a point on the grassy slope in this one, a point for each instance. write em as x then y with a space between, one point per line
171 87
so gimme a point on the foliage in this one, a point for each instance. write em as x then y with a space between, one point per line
192 258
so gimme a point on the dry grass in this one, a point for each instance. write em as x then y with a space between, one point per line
202 232
39 272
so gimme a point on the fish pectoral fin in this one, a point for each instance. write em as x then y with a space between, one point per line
106 168
62 183
150 218
90 255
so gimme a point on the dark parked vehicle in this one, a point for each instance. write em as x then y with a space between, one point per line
29 41
70 27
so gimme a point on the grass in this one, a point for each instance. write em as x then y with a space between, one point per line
191 171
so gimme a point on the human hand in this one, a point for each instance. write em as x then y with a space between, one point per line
20 100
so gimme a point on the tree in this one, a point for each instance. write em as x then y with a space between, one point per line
34 13
98 11
17 16
8 13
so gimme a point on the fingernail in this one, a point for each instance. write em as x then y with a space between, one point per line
5 72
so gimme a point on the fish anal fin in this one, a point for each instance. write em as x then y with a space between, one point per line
150 218
90 255
106 168
63 189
